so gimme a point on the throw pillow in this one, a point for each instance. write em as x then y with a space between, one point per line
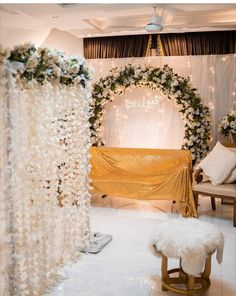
232 176
218 164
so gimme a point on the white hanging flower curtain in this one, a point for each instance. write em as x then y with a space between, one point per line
44 166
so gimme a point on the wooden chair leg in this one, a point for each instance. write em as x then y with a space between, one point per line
195 195
213 203
234 221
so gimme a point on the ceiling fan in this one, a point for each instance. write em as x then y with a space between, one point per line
155 24
159 20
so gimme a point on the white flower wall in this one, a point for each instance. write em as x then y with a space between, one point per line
44 183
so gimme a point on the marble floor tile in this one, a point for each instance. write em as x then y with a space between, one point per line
228 286
127 266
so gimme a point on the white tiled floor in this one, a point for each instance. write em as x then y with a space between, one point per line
127 267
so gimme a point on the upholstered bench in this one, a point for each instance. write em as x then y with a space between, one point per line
192 242
223 191
203 185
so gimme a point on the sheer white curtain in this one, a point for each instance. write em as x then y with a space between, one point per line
160 126
143 118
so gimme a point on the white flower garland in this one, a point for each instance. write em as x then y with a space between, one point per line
31 65
44 184
228 124
179 89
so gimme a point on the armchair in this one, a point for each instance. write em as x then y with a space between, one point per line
223 191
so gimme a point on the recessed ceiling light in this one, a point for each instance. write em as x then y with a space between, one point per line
55 16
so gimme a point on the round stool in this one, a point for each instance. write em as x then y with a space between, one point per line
192 242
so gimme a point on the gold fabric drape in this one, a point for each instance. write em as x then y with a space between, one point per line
148 174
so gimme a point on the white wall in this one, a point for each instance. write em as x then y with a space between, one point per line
10 36
62 40
65 41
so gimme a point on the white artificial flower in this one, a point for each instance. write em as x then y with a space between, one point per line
74 69
32 62
4 53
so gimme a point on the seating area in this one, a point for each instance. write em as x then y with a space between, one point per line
203 186
192 242
144 174
118 149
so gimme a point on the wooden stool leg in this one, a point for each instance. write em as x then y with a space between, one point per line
164 273
190 282
207 271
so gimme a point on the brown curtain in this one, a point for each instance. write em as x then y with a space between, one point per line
174 44
116 46
198 43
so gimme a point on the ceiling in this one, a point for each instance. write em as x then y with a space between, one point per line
87 20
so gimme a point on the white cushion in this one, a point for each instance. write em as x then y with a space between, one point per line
219 164
232 176
220 190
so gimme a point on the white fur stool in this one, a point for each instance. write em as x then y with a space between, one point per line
193 242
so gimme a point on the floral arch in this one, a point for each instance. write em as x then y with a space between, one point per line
194 113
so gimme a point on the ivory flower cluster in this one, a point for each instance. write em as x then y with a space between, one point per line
228 124
43 64
179 89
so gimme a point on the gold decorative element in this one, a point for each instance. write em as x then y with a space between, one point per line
126 172
168 283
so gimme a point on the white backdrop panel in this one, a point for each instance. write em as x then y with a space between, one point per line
214 76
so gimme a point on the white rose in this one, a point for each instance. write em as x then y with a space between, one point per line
56 70
74 69
32 62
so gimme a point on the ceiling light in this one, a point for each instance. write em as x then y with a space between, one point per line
89 35
55 16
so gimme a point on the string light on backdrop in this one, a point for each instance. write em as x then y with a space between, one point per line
221 77
174 87
147 102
